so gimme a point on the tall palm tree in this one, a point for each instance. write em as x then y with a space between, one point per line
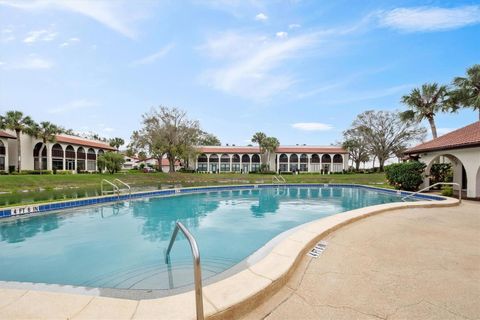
46 131
466 92
117 143
16 121
259 138
424 103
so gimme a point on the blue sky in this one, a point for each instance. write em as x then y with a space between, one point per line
298 70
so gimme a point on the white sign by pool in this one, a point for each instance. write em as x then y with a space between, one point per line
24 210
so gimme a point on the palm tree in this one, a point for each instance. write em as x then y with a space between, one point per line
424 103
259 138
46 131
116 143
467 91
270 145
16 121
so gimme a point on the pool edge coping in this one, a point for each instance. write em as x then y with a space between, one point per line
227 298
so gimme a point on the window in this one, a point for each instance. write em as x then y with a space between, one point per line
236 167
2 163
225 167
202 167
255 166
283 167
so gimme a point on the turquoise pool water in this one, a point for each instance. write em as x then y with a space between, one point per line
122 245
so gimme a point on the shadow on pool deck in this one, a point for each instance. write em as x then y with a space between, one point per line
403 264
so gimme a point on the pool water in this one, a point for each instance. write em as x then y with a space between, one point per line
122 245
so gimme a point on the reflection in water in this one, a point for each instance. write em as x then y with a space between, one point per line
21 229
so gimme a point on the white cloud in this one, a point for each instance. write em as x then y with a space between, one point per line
312 126
31 62
40 35
155 56
252 62
430 18
6 35
281 34
294 26
113 14
261 17
69 42
74 105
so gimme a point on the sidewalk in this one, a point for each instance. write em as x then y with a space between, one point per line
404 264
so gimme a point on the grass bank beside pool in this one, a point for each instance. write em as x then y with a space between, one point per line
26 189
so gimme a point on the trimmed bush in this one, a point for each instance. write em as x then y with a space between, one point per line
405 176
441 172
447 191
36 172
185 170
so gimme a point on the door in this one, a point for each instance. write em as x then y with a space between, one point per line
213 167
245 168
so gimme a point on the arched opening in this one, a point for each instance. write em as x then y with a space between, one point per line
446 168
293 162
245 163
225 163
337 163
202 163
3 153
236 163
304 162
283 160
81 159
213 163
91 160
40 157
70 158
326 163
315 163
57 157
255 162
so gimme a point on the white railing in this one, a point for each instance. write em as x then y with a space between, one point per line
197 270
126 185
436 184
278 179
114 186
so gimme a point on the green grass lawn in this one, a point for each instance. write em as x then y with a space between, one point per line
25 189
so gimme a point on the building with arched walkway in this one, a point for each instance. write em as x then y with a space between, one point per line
67 153
460 148
328 159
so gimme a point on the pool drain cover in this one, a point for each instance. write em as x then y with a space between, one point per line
318 249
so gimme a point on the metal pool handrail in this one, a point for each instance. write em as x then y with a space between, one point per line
436 184
196 265
126 185
279 179
115 187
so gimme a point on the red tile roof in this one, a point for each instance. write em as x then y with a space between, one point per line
84 142
3 134
285 149
465 137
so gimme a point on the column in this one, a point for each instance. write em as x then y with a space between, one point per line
288 161
49 157
230 162
86 159
208 162
309 158
331 164
7 163
320 163
298 162
96 158
76 160
250 168
277 164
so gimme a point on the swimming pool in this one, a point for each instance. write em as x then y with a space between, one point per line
121 245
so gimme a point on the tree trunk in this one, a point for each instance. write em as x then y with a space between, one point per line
373 163
19 150
357 165
381 164
171 163
159 160
433 127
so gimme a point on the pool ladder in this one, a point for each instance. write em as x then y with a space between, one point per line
278 179
197 271
116 189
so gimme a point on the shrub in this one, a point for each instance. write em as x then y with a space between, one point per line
447 191
112 161
405 176
185 170
36 172
441 172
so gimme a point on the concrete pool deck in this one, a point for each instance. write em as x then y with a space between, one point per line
229 298
421 263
